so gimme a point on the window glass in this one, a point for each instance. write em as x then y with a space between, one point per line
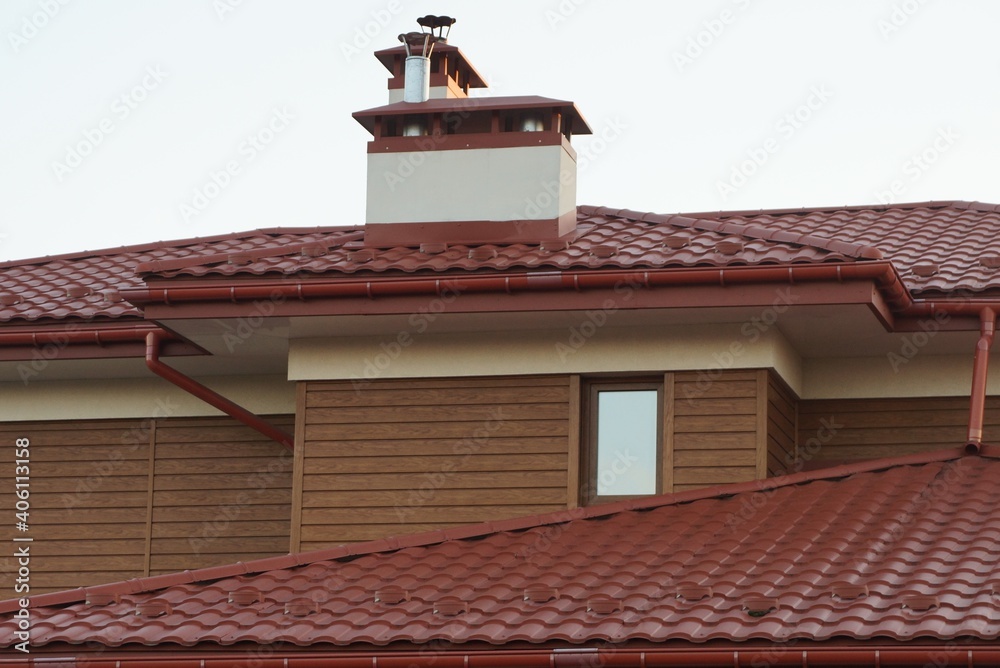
626 442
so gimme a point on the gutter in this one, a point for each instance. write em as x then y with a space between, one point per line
882 272
982 653
81 335
209 396
977 405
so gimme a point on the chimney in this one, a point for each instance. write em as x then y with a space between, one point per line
444 167
419 46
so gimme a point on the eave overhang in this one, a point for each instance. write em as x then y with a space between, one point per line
871 282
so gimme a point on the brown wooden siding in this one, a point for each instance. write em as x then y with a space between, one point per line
782 417
395 457
715 428
833 431
118 499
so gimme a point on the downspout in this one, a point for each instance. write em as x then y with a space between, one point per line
977 404
211 397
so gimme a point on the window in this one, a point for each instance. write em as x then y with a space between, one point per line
623 432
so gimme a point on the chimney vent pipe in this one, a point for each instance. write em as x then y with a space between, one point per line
417 85
419 45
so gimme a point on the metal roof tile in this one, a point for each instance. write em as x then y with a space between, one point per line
636 563
954 236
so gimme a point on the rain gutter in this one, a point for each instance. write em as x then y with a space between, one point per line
881 272
779 654
82 335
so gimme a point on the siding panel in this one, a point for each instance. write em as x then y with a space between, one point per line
213 506
836 431
715 424
88 508
782 418
393 457
90 517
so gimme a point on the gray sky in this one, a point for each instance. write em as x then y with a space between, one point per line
118 117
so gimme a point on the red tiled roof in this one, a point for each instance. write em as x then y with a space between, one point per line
936 247
605 239
85 285
897 549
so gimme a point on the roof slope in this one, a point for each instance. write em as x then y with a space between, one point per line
936 247
85 285
605 239
896 549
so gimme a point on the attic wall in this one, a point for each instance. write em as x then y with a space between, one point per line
389 457
88 503
782 421
718 428
118 499
222 494
835 431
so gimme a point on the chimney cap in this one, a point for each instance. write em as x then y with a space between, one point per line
367 117
418 43
438 23
388 58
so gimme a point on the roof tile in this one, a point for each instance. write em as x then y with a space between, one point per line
857 551
957 238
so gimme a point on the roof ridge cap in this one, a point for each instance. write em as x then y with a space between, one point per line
984 207
929 204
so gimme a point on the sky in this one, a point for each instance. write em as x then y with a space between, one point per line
130 122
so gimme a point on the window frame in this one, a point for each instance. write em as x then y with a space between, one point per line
588 437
